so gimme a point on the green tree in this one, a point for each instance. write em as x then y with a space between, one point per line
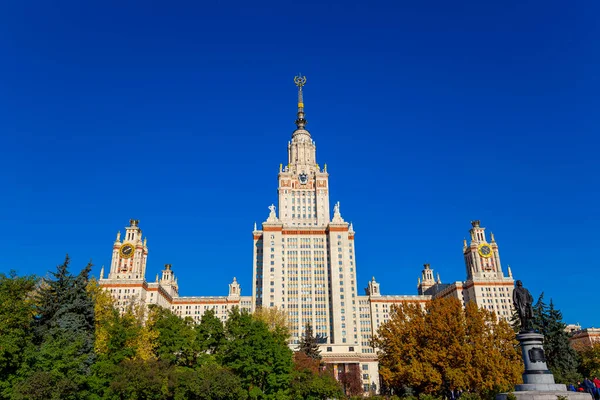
259 356
208 383
540 315
308 344
210 333
138 379
118 340
64 338
16 326
311 381
176 339
307 385
562 359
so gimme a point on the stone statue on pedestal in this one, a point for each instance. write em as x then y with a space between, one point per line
523 301
538 381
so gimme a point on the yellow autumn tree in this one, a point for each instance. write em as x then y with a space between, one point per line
444 346
104 313
145 342
127 332
275 318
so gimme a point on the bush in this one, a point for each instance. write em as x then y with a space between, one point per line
470 396
429 397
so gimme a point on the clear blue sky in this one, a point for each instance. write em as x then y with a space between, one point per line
429 115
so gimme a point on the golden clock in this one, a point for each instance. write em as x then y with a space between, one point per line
485 250
126 250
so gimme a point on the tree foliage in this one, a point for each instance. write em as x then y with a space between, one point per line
16 326
59 363
276 319
175 336
210 334
309 344
590 359
311 381
446 347
61 337
350 380
258 355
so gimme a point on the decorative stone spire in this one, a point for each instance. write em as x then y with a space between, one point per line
439 281
492 238
234 289
102 272
509 272
300 81
118 239
373 288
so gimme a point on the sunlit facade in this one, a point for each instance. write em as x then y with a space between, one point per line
304 263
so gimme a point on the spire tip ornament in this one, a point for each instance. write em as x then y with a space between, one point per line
300 81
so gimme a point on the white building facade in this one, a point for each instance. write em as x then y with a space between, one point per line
304 264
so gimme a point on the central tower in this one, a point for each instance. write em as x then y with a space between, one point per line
303 259
303 194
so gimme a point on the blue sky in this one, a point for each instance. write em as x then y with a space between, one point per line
429 115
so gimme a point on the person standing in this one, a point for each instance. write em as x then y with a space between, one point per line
597 385
589 387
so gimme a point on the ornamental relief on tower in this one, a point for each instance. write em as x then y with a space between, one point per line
321 183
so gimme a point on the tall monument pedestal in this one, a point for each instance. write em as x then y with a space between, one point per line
538 381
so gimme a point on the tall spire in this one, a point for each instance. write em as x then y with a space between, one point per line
300 81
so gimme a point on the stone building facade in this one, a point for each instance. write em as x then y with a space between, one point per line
584 338
304 263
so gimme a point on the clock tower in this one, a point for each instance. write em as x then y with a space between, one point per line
129 255
482 259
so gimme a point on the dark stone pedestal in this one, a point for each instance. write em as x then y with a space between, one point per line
538 381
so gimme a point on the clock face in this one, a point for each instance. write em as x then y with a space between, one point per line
485 250
126 250
303 178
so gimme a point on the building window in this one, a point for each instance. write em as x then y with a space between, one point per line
351 348
329 349
365 367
